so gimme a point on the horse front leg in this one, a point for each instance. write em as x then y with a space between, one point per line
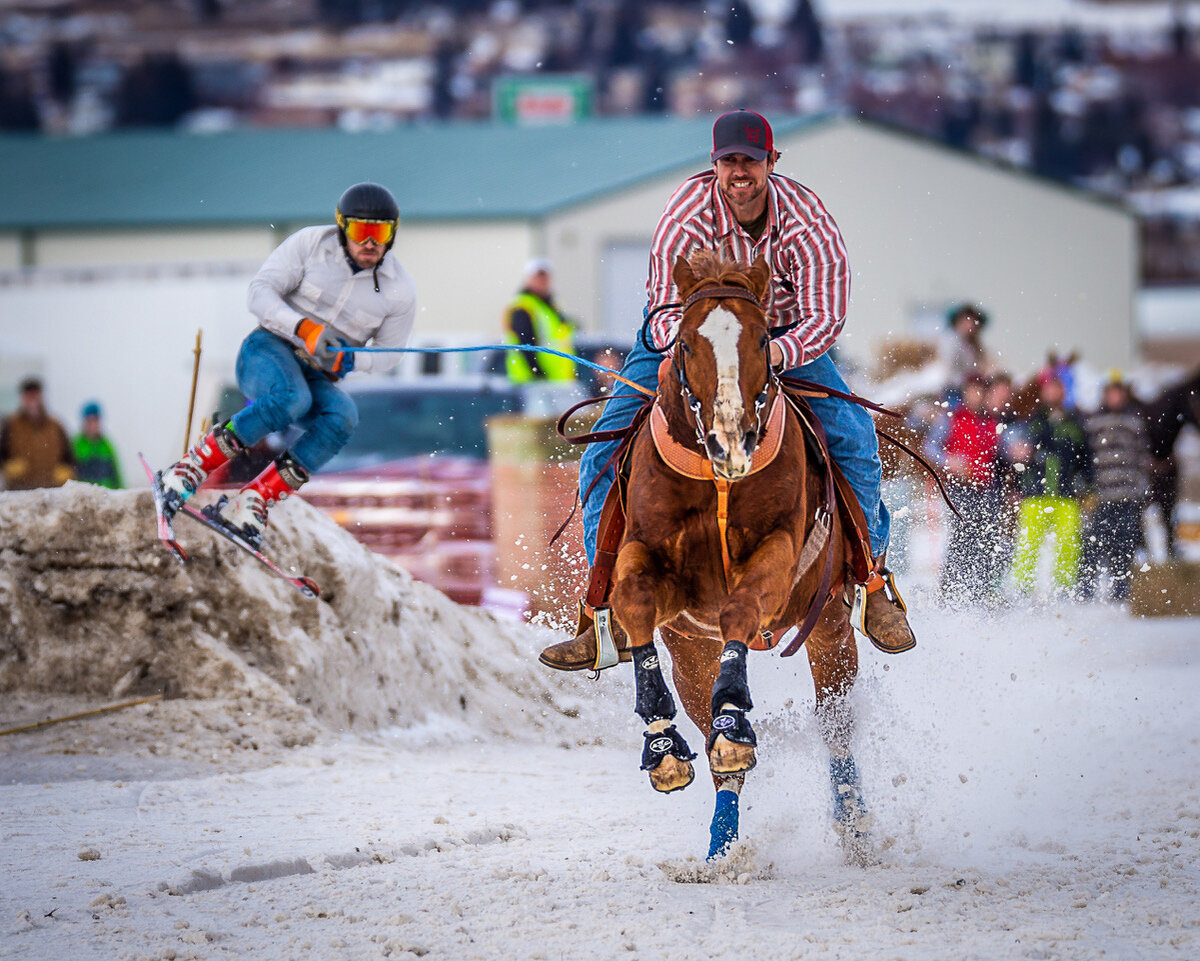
696 661
762 589
640 600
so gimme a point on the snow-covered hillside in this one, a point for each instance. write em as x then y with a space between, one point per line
1033 777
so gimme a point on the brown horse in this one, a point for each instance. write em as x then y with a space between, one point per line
716 589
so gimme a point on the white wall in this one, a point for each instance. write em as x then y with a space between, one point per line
128 344
926 227
156 245
465 275
580 240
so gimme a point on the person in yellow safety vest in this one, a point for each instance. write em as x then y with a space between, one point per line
534 320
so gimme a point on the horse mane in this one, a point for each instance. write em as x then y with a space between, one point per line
713 265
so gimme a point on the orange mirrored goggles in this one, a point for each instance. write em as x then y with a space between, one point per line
360 231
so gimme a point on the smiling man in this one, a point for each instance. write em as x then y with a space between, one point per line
322 288
741 206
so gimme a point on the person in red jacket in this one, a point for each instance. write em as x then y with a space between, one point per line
973 556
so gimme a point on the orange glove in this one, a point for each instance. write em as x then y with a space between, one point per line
323 343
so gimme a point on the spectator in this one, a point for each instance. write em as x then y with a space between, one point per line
1121 463
969 459
34 449
964 354
1000 400
1054 466
533 319
1000 397
95 458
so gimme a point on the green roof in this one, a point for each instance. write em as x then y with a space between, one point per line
292 176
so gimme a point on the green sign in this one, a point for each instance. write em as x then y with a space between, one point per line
544 99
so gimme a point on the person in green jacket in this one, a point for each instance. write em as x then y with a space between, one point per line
533 319
95 458
1054 468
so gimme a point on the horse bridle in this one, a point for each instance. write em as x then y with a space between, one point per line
677 363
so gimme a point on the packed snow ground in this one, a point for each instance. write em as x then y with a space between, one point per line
1034 778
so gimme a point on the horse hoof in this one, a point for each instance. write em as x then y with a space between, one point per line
730 757
672 774
858 848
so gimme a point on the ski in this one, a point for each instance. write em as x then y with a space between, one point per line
305 585
166 531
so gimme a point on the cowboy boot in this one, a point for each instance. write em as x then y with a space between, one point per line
879 612
582 652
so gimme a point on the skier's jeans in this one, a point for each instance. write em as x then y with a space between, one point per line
849 428
286 391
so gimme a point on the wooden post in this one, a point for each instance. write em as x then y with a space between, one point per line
187 435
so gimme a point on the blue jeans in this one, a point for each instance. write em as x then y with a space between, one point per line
849 428
286 391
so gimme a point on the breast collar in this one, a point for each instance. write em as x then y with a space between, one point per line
691 463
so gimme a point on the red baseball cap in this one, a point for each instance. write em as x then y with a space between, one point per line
744 132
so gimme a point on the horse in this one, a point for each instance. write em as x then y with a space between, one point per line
733 551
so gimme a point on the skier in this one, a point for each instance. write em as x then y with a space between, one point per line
323 288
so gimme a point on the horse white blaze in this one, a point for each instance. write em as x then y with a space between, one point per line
722 329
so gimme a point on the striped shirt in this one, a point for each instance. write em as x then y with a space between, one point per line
801 244
1120 454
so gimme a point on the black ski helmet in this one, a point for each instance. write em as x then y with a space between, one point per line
367 201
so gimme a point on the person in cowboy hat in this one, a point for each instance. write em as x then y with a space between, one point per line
743 206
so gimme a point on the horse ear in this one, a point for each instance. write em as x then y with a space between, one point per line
760 277
683 275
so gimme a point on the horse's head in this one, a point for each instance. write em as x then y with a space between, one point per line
722 356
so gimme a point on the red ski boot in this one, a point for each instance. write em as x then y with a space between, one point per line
246 512
187 475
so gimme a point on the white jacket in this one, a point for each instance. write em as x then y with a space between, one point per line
308 276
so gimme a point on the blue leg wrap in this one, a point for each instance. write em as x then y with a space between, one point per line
843 774
724 828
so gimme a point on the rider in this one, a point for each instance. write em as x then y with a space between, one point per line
322 288
743 206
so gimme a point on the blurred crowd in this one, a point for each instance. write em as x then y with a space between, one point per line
1114 111
36 450
1043 489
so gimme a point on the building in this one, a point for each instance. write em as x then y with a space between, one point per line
114 249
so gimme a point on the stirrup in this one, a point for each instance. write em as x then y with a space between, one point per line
880 580
606 647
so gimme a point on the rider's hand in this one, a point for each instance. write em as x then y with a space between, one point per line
323 343
776 355
343 363
317 339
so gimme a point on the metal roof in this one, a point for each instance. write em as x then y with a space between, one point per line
293 176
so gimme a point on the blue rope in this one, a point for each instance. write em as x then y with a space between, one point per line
464 350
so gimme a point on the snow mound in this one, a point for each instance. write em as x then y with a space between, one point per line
94 606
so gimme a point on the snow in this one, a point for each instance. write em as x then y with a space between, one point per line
1032 774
